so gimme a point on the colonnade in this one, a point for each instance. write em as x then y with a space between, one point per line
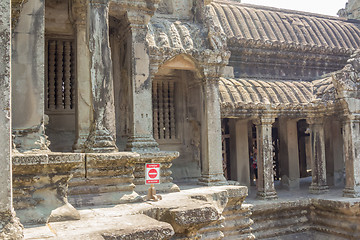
325 153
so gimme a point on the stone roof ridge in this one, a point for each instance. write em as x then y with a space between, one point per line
244 24
285 10
240 92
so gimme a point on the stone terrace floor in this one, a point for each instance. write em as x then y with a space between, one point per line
108 218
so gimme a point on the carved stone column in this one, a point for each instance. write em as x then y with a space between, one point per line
10 227
266 188
239 145
318 162
351 136
83 104
211 157
27 66
101 138
141 116
289 154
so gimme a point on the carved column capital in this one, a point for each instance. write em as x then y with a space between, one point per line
79 11
267 119
212 63
315 120
99 2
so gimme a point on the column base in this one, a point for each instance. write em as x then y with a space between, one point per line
266 195
316 189
353 192
100 141
10 226
290 184
141 144
79 145
30 139
212 180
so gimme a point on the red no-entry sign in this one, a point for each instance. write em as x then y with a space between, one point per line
152 173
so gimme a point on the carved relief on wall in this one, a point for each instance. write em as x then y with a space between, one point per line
165 7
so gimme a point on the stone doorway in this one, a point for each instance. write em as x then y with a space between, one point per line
176 94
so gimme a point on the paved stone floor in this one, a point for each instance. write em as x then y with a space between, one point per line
301 193
98 218
306 236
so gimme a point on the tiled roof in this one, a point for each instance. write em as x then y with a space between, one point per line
165 33
250 22
249 93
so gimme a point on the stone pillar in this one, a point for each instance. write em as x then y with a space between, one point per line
10 227
28 78
83 108
338 153
102 136
289 154
239 156
141 116
334 153
351 136
318 161
266 188
211 157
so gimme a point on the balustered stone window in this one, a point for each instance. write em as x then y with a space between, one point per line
60 75
164 110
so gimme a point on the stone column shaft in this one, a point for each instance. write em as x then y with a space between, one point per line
266 188
318 161
141 115
84 116
10 227
211 156
240 169
28 60
351 136
101 138
289 153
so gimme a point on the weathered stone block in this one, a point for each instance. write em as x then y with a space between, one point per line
165 159
40 183
104 178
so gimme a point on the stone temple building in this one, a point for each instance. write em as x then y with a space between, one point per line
94 89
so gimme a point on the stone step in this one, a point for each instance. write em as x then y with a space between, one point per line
138 226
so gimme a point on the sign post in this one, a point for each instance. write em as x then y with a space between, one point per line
152 176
